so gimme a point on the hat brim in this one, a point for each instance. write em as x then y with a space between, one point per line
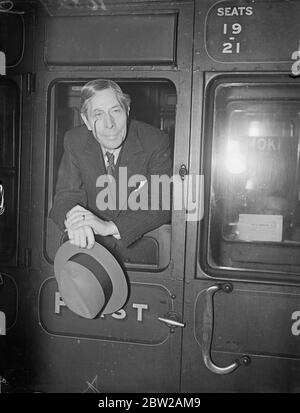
110 265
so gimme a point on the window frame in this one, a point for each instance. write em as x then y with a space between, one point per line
160 236
204 229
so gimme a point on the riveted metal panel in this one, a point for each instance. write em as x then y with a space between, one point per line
112 40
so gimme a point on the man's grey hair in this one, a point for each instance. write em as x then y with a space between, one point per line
94 86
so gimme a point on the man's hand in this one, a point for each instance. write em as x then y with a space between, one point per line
82 237
82 224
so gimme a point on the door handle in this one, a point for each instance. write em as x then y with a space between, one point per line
208 326
2 206
172 321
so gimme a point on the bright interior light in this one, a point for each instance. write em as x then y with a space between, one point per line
235 161
250 184
255 128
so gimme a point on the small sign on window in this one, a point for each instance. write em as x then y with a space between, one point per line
255 227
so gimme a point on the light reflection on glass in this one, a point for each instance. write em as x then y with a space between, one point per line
255 129
235 161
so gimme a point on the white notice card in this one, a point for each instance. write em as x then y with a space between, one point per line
255 227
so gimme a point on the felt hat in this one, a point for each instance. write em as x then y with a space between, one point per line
90 281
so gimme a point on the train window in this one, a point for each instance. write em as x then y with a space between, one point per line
153 102
254 206
9 148
12 37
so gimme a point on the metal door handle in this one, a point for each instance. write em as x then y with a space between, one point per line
171 323
2 206
208 325
171 319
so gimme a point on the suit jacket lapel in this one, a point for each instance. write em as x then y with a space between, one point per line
95 161
94 157
132 157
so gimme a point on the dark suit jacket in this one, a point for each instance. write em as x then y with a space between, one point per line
146 151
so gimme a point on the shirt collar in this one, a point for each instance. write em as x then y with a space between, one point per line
116 153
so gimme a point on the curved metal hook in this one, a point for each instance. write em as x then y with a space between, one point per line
208 321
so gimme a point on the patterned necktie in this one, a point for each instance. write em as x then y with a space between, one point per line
111 163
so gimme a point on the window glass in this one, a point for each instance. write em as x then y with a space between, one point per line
254 214
12 37
8 169
8 110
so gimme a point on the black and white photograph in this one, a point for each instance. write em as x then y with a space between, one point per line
149 200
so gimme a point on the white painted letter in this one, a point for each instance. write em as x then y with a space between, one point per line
58 303
296 65
296 325
140 308
119 315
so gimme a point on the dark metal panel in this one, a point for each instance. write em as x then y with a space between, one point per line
240 35
113 39
129 351
267 326
136 323
234 25
260 321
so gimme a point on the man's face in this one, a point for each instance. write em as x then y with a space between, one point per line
106 118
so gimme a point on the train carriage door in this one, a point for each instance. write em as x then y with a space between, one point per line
15 148
9 214
147 50
246 304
